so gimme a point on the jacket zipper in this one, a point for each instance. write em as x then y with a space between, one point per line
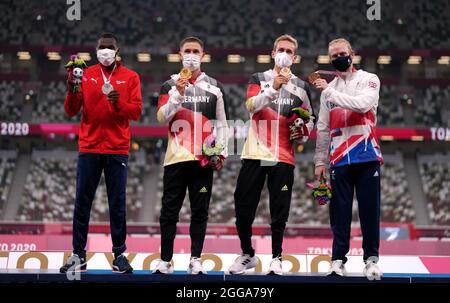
195 127
109 107
346 139
277 141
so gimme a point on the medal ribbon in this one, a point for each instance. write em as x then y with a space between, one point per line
334 73
109 78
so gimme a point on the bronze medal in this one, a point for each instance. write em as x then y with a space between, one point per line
286 72
313 77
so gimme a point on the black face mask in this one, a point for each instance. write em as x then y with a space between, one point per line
342 63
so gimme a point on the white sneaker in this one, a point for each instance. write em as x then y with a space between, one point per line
196 267
371 270
163 267
337 268
275 267
243 263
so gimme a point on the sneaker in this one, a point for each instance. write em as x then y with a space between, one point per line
196 267
371 270
275 267
75 264
243 263
163 267
337 269
121 265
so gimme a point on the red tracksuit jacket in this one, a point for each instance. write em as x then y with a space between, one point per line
105 128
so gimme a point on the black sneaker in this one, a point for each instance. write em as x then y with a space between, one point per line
74 263
121 265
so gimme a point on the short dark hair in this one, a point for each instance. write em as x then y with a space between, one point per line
109 35
191 39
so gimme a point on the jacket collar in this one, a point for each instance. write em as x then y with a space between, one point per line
118 65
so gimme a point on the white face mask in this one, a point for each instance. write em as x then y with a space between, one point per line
106 56
191 61
283 60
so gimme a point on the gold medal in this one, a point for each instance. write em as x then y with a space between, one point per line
185 73
313 77
286 72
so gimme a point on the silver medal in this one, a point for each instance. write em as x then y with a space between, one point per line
107 88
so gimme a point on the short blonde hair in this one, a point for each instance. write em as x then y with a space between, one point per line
285 38
341 40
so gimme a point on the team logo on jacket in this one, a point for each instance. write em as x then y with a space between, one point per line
284 101
331 105
336 132
196 99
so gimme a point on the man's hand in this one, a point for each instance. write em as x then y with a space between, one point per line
320 170
278 81
113 97
296 134
70 85
216 163
181 85
320 84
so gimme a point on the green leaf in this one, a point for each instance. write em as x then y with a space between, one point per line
302 113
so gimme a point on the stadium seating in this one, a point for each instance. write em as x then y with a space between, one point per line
50 104
7 165
50 190
10 108
389 111
430 105
154 23
435 173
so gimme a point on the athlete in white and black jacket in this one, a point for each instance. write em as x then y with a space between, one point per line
195 109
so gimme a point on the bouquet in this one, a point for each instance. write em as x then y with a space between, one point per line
76 67
322 192
211 152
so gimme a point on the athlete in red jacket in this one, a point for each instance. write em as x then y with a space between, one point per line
110 96
105 122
